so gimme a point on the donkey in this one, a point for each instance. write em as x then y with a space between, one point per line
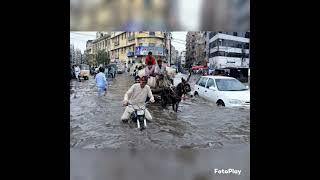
173 95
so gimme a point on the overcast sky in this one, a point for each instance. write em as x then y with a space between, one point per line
179 40
79 39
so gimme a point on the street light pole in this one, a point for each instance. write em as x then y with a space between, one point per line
170 48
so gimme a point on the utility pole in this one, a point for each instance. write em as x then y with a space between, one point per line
170 47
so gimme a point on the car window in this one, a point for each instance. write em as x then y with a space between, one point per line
230 85
198 81
210 83
203 81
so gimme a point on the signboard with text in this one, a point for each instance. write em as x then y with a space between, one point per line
143 50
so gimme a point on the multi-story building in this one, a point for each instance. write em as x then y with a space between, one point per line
177 56
190 48
102 42
72 54
128 47
183 58
196 48
134 46
89 49
150 41
229 49
200 48
173 55
77 56
168 47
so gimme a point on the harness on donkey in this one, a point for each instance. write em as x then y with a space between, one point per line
164 90
173 95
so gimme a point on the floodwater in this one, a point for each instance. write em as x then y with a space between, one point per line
199 125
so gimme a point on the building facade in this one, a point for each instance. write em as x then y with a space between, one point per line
190 48
183 58
200 48
102 42
173 55
196 48
229 49
127 47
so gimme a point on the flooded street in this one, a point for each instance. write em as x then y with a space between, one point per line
95 121
221 134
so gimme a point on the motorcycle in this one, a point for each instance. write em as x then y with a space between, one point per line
138 116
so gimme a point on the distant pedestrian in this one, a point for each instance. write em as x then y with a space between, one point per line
112 72
101 82
77 72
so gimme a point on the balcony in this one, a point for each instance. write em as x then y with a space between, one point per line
130 38
150 34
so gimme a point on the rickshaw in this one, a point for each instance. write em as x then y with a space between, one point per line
84 71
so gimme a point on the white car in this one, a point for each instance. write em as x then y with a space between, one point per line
224 91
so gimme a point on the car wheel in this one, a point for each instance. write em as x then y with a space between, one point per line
220 103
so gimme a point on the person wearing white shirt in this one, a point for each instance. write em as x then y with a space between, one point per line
77 72
137 95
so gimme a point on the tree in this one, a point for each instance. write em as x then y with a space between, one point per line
86 57
91 59
102 57
77 59
72 54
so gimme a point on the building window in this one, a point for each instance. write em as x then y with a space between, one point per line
247 35
235 33
211 34
246 46
229 43
152 33
229 54
125 35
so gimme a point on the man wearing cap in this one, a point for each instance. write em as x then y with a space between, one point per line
137 95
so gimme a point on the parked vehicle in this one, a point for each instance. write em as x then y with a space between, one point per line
224 91
84 71
114 65
120 68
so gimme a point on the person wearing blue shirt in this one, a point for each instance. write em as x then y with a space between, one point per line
101 82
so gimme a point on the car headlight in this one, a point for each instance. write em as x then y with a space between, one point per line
235 101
